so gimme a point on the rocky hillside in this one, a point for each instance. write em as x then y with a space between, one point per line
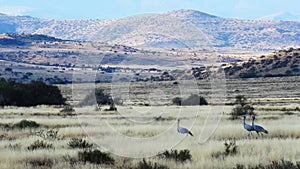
183 28
282 63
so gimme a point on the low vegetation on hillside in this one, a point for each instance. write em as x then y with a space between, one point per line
281 63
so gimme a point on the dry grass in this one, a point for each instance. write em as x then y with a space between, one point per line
276 111
282 142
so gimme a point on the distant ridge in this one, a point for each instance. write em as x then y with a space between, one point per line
179 29
282 16
189 13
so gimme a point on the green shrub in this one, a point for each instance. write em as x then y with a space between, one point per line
40 144
30 94
289 113
99 96
193 99
26 124
181 156
79 143
95 157
241 108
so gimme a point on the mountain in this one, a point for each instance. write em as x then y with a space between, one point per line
282 16
176 29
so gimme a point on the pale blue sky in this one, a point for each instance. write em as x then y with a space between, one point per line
108 9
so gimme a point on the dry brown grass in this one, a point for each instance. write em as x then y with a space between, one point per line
281 142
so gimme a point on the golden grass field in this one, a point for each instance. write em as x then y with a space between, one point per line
278 112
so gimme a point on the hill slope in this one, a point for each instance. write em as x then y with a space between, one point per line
282 63
183 28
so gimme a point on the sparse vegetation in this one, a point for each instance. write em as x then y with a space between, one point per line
230 149
50 134
40 144
95 157
148 165
283 164
61 139
41 163
79 143
181 156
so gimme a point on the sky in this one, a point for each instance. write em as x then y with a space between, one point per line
110 9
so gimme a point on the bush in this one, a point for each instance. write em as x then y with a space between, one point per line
40 144
181 156
31 94
99 96
177 101
241 108
230 149
67 109
95 157
148 165
50 134
193 99
79 143
26 124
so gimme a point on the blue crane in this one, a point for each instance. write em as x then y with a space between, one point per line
247 126
257 128
182 129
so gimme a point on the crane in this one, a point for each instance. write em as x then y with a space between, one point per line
247 126
182 129
258 128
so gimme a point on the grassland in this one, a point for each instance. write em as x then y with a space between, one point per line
276 103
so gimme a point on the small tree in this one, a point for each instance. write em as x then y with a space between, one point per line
100 96
241 100
242 108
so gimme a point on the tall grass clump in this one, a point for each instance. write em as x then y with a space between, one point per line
41 163
178 156
79 143
148 165
95 157
230 149
40 144
282 164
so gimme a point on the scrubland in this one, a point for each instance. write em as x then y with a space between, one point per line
57 130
